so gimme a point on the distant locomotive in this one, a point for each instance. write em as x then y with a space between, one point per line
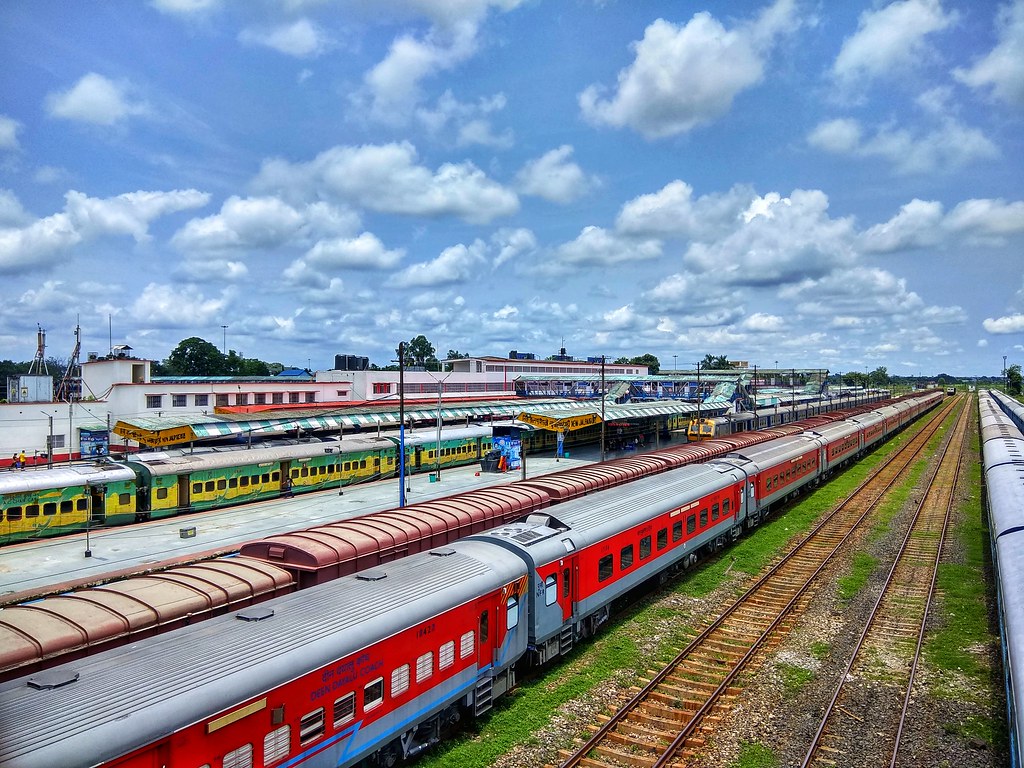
376 666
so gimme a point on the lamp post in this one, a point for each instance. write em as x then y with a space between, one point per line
1004 374
401 424
602 409
674 364
698 393
437 448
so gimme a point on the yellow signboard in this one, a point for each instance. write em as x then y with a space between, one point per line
154 437
566 424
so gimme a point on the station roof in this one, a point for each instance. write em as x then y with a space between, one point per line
170 430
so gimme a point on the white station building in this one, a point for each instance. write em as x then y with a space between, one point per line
120 389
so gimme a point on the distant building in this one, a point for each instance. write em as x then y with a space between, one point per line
120 387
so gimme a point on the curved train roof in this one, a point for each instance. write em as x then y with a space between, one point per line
63 476
131 696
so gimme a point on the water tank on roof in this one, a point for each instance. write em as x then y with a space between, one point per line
351 363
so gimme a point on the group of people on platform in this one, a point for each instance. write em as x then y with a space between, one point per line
18 461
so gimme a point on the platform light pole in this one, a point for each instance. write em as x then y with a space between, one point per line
401 424
437 448
602 409
224 340
1004 375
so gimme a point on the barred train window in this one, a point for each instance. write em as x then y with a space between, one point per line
373 694
275 745
466 644
239 758
446 655
605 568
400 680
344 709
425 667
311 726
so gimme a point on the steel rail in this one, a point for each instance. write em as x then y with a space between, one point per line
871 623
895 464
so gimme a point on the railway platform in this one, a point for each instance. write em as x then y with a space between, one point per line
59 564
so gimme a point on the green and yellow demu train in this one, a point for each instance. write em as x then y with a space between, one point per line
148 485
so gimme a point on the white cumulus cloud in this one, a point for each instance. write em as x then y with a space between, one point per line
1002 69
553 176
890 39
684 76
95 99
388 178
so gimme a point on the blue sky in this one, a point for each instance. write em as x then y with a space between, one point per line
819 184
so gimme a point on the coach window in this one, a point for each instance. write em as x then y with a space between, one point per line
550 589
13 514
276 744
677 530
161 493
485 621
265 477
691 523
124 499
446 655
625 557
32 510
714 511
425 667
222 484
466 644
311 726
344 709
605 568
239 758
725 507
373 694
512 613
243 481
50 508
662 538
645 547
65 506
81 504
232 482
400 680
209 486
704 517
565 583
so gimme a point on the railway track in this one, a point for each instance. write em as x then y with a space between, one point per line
877 683
667 720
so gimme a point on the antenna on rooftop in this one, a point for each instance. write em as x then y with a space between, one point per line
38 366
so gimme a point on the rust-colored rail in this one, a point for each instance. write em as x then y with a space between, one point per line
659 725
876 684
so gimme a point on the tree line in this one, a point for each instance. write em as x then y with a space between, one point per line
195 356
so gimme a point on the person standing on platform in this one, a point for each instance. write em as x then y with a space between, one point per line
14 461
21 461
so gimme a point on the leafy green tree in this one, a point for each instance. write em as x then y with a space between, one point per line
454 354
421 353
236 365
652 362
1013 380
196 357
715 362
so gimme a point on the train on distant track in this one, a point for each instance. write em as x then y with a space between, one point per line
376 666
156 484
1002 447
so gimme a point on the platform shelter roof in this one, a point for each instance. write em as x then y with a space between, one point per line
169 430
